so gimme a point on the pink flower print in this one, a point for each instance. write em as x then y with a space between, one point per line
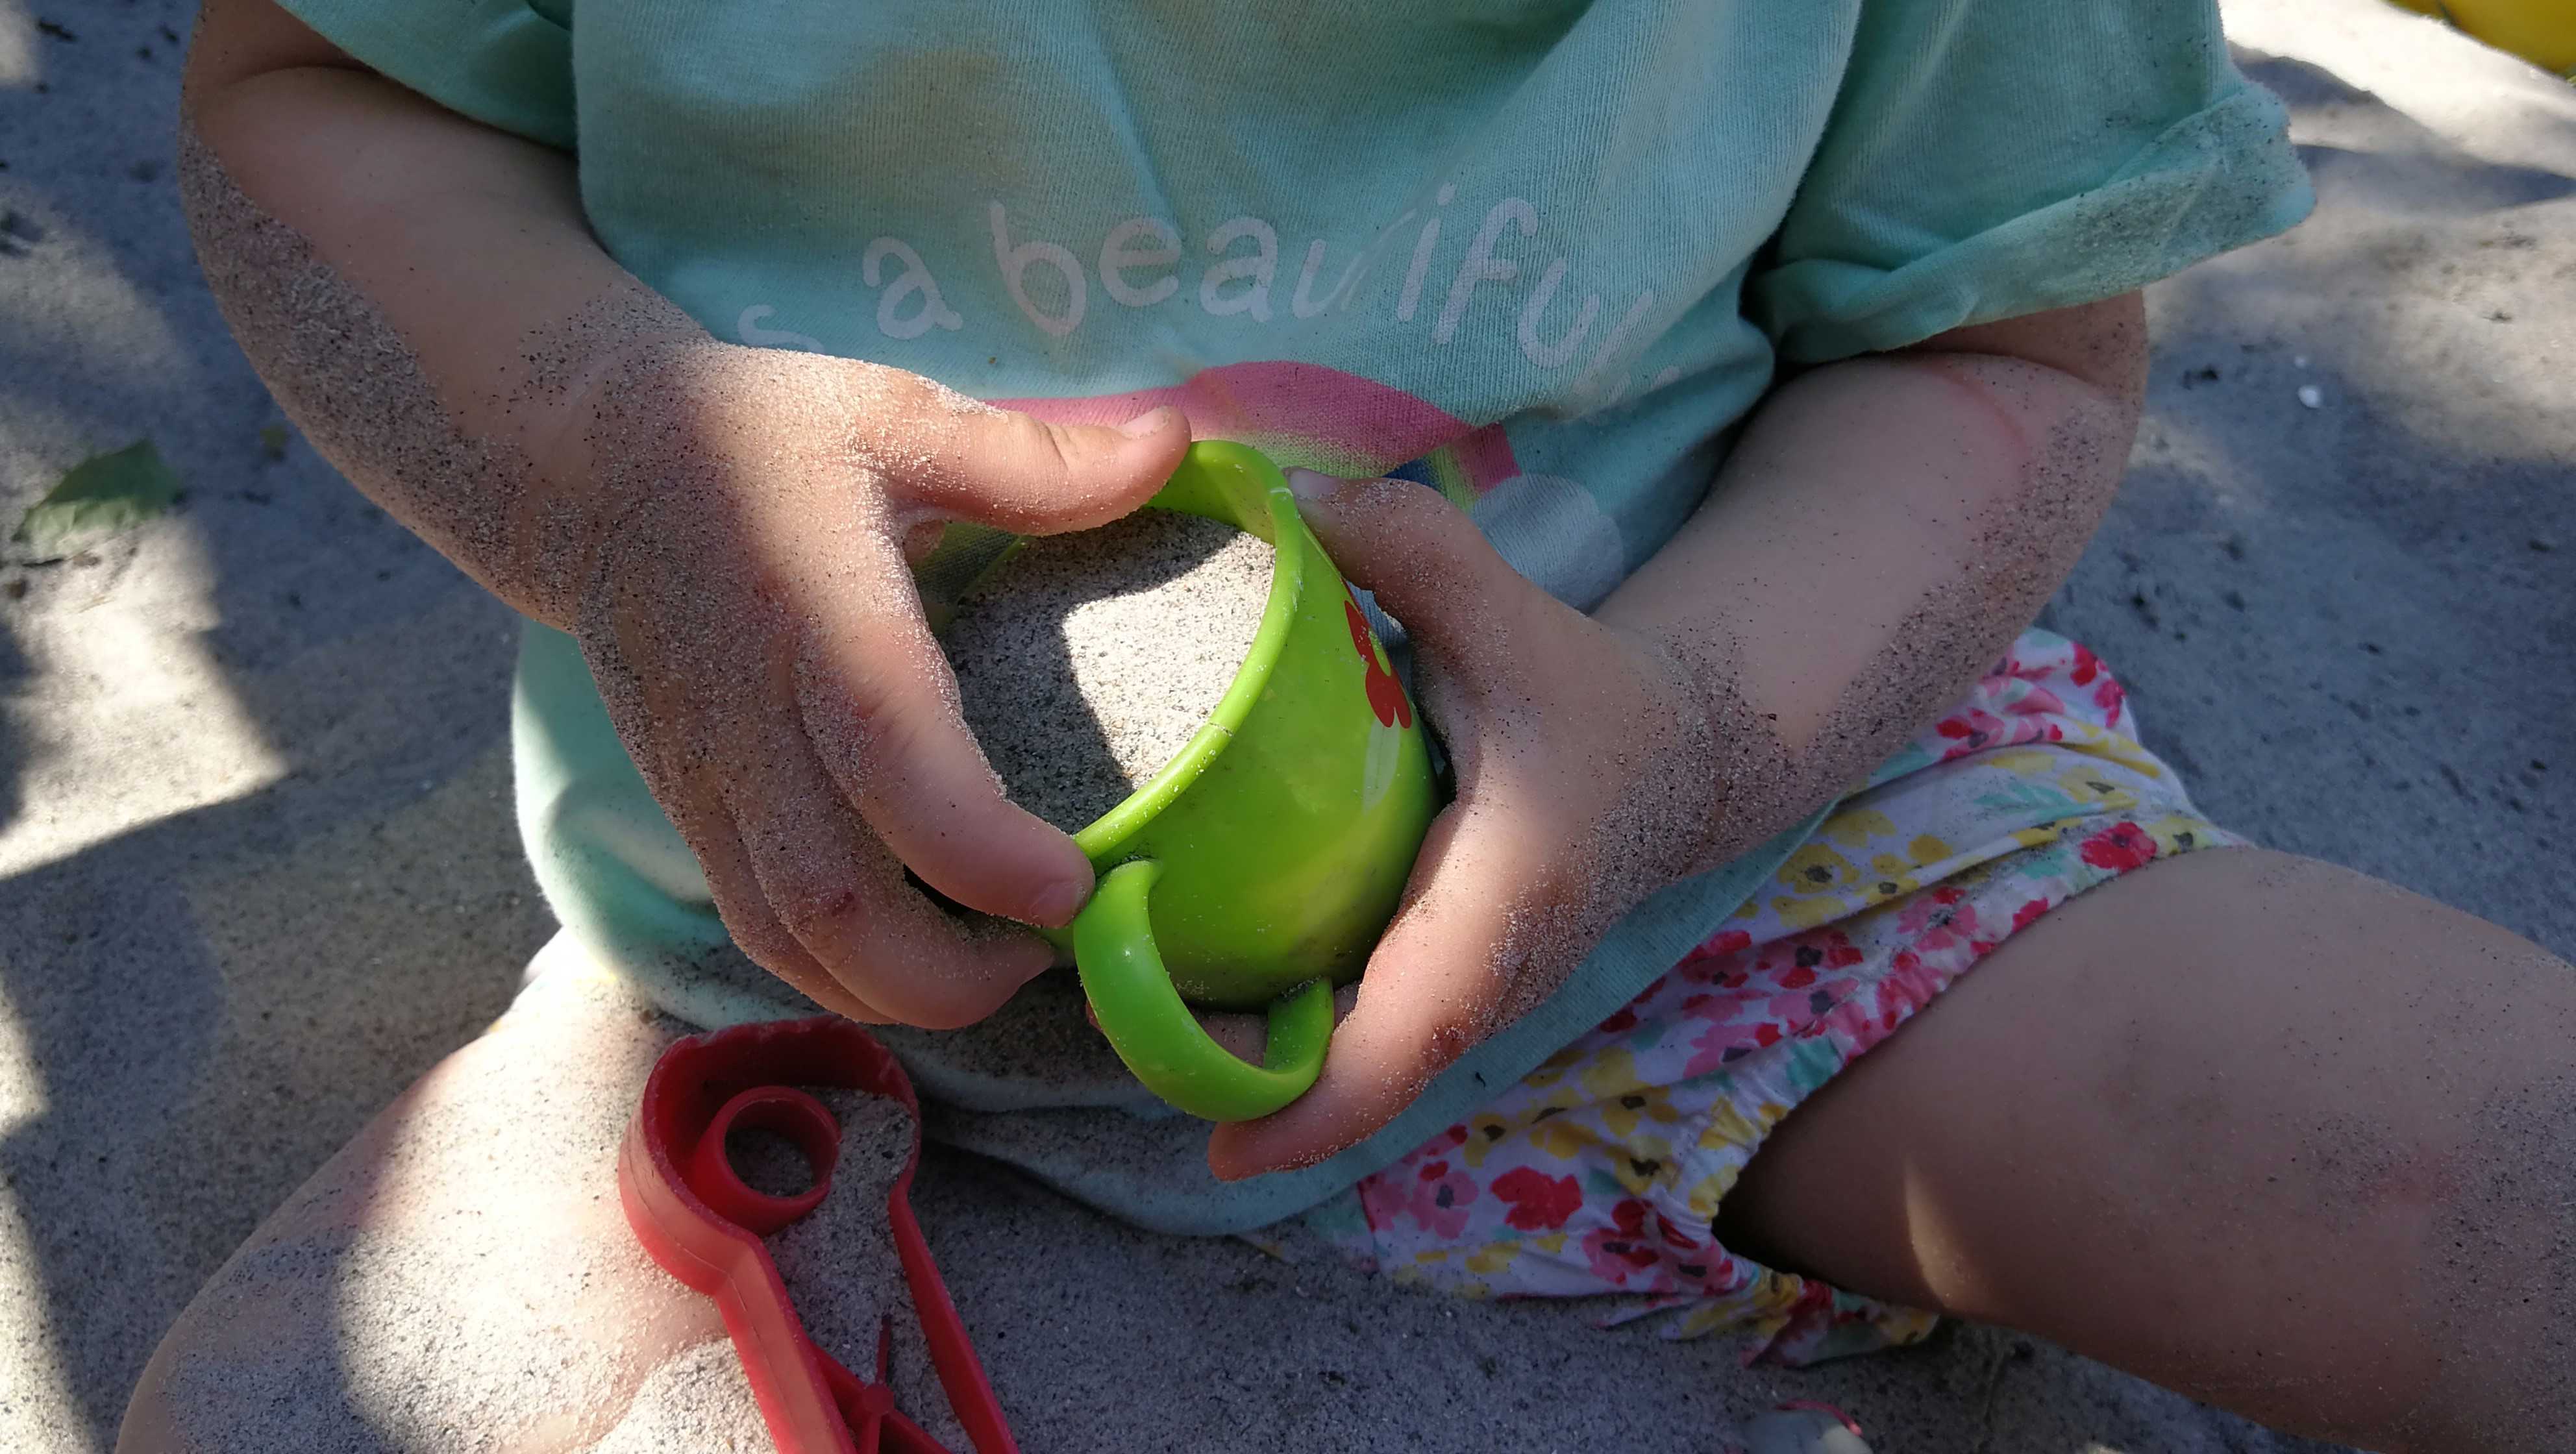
1727 941
2119 848
1386 1197
1971 730
1923 909
1440 1197
1802 995
1539 1202
1619 1023
2027 913
1896 996
1718 958
2087 666
1950 926
2109 697
1901 995
1621 1249
2038 702
1721 1044
1818 949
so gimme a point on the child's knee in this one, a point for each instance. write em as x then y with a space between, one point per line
249 1365
2499 1279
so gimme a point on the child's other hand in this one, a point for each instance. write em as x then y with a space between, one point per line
732 527
1587 780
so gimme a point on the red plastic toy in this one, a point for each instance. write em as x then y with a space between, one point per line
699 1220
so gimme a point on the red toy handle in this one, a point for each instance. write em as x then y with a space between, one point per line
784 1111
703 1225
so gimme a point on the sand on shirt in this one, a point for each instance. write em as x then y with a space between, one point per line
1089 660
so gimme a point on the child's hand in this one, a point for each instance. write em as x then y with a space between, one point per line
1587 780
732 557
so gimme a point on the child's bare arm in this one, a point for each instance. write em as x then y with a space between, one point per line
1879 535
1876 538
723 528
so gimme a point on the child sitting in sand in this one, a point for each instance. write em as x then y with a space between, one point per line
1712 391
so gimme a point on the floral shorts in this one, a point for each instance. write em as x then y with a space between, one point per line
1601 1173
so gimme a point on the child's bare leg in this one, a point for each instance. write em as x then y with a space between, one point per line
460 1273
2285 1138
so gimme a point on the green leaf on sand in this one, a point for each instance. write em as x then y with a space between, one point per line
103 495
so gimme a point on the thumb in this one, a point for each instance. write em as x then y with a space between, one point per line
1420 555
1031 477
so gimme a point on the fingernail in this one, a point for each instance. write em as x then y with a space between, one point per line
1152 421
1310 487
1057 903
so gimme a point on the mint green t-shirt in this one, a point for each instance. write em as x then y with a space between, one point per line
1539 255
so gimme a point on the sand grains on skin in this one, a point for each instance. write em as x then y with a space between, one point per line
1089 660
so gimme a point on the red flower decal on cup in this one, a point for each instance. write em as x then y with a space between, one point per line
1385 693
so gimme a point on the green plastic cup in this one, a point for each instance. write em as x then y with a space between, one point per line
1257 869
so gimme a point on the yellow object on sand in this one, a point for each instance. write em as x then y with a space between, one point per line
2542 32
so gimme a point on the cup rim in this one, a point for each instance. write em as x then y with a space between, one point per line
1218 476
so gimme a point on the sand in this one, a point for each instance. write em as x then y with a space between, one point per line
842 1271
842 1275
1089 660
699 1401
254 777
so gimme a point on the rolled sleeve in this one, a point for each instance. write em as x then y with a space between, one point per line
505 63
1992 158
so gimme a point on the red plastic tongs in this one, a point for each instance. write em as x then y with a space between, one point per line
703 1224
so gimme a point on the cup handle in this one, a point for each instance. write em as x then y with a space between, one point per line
1161 1041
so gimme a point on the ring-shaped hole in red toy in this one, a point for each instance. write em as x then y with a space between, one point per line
783 1111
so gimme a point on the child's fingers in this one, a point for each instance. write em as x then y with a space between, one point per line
879 707
1417 553
1023 474
696 808
1244 1036
843 898
1452 969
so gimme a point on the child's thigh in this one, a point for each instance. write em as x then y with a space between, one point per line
461 1272
2263 1129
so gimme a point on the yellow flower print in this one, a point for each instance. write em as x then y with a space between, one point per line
2023 761
2113 747
1771 1297
1928 848
1551 1072
1728 1126
1817 869
1710 1190
1854 828
1706 1318
2178 833
1804 914
1482 1134
1491 1258
2087 784
1611 1074
1563 1137
1624 1115
1645 1163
